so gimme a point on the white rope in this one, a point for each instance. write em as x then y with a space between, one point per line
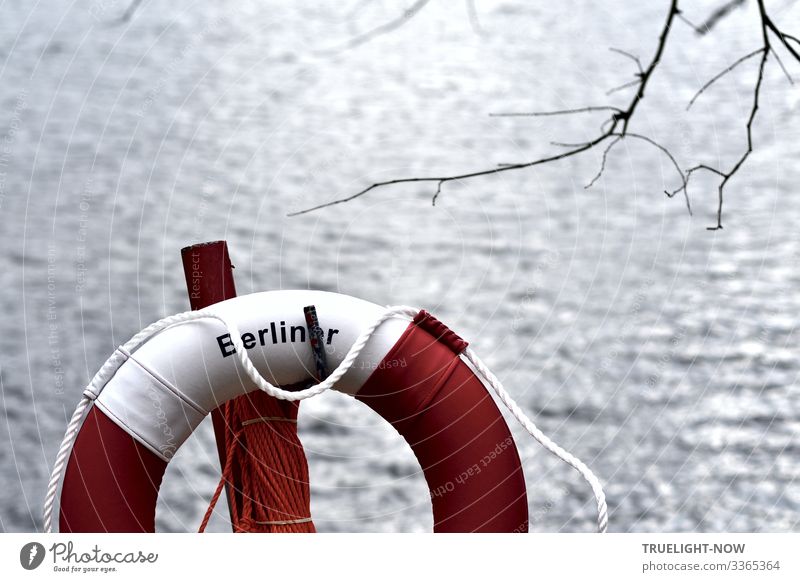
247 363
546 442
61 459
330 381
113 363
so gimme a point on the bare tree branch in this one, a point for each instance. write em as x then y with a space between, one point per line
615 127
441 180
767 26
645 77
751 119
618 125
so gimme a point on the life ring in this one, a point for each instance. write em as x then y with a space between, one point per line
405 365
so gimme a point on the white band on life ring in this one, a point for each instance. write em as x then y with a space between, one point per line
165 388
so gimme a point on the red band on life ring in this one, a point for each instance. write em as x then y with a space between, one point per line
455 429
111 482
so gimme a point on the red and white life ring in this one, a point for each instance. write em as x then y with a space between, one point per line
408 367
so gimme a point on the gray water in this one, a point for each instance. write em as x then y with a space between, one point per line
662 354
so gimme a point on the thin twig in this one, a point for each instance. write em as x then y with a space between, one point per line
785 36
633 57
436 195
672 159
623 86
722 73
783 68
559 111
566 144
382 29
638 63
602 163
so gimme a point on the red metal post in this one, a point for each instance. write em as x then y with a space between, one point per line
276 483
209 280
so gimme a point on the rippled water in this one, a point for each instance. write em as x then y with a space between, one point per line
661 353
